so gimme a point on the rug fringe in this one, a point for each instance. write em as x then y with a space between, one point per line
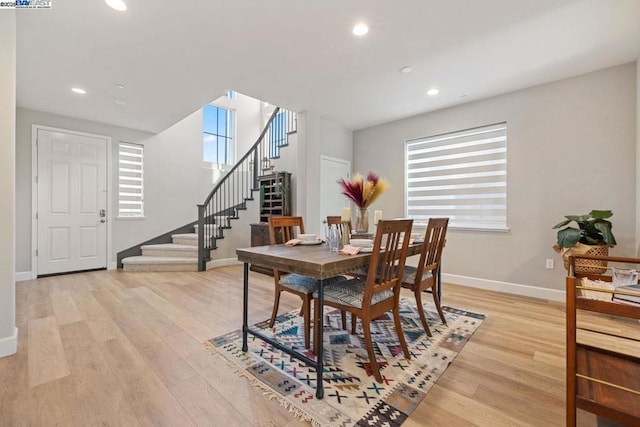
266 390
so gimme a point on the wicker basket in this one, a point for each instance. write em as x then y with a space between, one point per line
587 266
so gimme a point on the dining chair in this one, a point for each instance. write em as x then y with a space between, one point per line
377 294
281 230
344 227
426 277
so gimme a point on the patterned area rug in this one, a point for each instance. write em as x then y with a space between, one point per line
352 396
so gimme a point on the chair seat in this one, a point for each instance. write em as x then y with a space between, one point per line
306 284
351 292
409 275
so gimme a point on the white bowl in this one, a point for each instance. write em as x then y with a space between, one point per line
308 237
363 243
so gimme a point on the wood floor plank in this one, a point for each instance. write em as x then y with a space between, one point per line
47 360
99 399
64 308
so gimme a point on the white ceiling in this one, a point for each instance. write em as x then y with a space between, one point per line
176 56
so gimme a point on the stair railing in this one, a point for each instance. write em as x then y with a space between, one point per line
232 191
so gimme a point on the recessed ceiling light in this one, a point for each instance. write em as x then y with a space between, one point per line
117 4
406 69
360 29
433 91
120 86
78 90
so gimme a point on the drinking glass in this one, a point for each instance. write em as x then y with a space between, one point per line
333 238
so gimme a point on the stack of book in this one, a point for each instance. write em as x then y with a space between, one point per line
630 294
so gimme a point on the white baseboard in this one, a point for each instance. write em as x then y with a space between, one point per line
9 345
511 288
222 263
21 276
112 266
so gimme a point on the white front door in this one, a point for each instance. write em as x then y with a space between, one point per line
332 200
72 202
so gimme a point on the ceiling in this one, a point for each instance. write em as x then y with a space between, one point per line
173 57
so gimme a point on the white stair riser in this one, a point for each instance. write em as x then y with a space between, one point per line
170 253
184 241
161 267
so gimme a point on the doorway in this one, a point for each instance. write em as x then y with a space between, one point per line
70 201
332 200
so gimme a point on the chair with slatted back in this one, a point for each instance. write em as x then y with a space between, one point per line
344 227
379 293
281 230
425 276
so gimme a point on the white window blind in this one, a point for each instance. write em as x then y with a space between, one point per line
460 175
130 180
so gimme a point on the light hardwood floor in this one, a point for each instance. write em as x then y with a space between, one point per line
119 348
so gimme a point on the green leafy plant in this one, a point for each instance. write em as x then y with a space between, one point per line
593 229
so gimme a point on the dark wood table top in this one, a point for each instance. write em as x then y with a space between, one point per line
314 260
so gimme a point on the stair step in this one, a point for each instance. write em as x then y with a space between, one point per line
170 250
153 263
185 239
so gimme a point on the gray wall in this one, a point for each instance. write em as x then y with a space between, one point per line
25 120
571 148
8 332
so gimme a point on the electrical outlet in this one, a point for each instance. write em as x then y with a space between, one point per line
550 264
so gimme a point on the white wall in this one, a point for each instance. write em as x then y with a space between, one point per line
571 148
8 330
638 157
317 137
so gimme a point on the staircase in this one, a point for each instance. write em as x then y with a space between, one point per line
192 251
179 255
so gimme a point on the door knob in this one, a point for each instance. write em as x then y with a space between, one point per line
103 220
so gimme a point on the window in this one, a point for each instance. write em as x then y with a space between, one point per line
130 180
217 131
460 175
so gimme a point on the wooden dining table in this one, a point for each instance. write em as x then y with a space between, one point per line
313 261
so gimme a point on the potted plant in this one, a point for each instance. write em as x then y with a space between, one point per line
593 236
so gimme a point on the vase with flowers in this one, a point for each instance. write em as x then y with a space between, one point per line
363 191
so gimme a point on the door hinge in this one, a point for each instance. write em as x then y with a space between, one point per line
36 215
36 252
36 179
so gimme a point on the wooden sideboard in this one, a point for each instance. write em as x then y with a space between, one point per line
260 237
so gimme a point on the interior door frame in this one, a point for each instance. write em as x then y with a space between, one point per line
34 191
322 189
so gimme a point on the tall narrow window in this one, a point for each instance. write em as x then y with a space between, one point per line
130 180
460 175
218 124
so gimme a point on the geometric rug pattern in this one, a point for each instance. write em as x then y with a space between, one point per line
352 397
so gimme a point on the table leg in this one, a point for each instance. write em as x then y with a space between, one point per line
320 346
245 307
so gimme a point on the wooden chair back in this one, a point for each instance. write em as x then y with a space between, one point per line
344 227
283 228
434 239
387 266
